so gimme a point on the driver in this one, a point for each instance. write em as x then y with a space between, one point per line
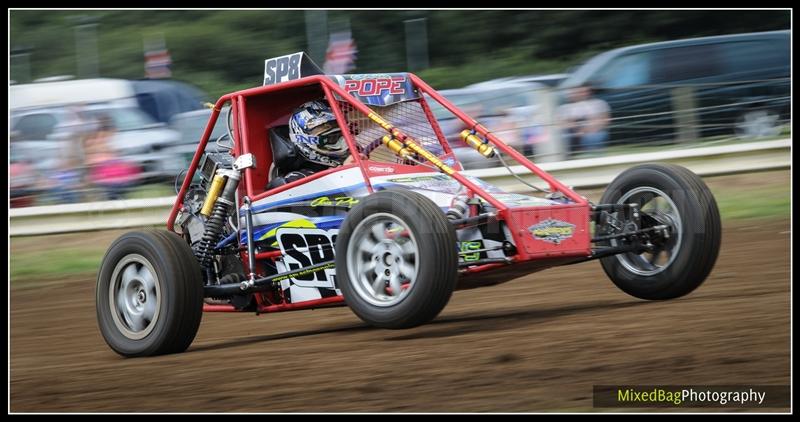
318 138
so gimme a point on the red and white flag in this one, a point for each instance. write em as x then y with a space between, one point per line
157 63
341 55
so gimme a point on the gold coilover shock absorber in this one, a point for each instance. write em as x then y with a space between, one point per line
396 146
483 147
216 207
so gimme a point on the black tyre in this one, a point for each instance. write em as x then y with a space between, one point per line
149 294
396 259
678 198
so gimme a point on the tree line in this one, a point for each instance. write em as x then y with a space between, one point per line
222 51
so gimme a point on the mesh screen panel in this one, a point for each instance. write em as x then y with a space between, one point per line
408 116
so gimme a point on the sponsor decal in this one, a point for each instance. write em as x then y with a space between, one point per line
281 69
369 85
306 272
553 231
410 179
346 201
378 89
306 247
518 200
293 224
467 247
436 182
288 68
380 169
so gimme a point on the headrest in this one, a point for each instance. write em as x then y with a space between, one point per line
284 152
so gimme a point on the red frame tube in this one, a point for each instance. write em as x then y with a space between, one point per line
244 134
484 267
308 304
351 142
219 308
201 147
497 143
435 125
269 255
302 181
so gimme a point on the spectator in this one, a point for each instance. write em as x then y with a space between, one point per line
528 128
66 177
22 183
110 173
508 128
585 120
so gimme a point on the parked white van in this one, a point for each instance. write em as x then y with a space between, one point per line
160 98
40 123
78 91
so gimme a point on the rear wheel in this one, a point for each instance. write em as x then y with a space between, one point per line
149 294
396 259
677 198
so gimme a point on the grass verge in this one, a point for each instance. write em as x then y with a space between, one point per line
740 197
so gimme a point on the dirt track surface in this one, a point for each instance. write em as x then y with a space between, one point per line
538 343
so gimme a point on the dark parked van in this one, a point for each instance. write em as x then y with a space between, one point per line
164 98
733 84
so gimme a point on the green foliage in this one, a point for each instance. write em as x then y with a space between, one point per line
151 191
770 202
54 262
222 51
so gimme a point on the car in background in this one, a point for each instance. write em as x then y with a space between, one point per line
164 98
160 98
510 108
190 126
733 84
47 132
552 80
64 91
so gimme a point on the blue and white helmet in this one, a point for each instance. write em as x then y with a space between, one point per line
313 129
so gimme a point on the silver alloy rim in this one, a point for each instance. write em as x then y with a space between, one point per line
660 206
382 260
134 296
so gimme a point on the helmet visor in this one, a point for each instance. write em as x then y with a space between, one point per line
324 129
334 143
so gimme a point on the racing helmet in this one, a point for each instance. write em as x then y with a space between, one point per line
315 133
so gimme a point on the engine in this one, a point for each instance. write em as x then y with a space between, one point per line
205 218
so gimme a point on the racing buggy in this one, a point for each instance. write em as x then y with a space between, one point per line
390 234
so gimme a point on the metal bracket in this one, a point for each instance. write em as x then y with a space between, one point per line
244 161
230 174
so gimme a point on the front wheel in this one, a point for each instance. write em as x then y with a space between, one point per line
679 199
396 259
149 294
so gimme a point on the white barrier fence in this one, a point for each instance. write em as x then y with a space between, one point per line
584 173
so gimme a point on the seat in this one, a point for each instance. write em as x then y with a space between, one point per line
286 159
284 153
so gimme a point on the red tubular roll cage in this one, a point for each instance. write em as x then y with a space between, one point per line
331 90
329 87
